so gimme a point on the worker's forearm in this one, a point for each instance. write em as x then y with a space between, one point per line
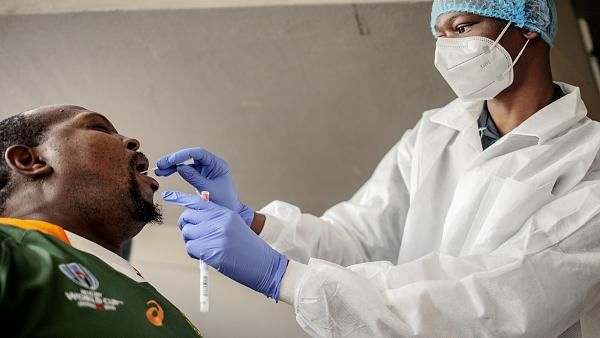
290 282
258 222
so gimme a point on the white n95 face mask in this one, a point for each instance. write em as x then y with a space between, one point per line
475 67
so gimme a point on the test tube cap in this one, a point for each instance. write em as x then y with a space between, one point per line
204 195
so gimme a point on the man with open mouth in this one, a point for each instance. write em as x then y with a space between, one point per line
72 192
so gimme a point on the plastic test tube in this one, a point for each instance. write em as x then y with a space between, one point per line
203 266
203 272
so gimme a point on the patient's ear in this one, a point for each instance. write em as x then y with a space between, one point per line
26 161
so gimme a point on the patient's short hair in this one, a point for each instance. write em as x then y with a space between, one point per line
22 129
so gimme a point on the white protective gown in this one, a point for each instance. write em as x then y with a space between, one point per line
448 240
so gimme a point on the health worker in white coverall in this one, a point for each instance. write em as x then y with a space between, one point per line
483 221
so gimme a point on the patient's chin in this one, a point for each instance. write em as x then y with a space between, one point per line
145 211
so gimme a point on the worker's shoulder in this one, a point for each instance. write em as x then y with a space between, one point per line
582 138
594 170
593 123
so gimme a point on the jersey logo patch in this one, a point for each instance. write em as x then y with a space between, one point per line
87 297
80 275
155 313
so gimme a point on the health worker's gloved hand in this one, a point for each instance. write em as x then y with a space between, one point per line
219 237
209 173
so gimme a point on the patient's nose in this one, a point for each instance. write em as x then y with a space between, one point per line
131 143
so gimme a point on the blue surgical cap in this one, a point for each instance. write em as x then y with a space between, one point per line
533 15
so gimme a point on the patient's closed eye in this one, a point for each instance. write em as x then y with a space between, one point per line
101 128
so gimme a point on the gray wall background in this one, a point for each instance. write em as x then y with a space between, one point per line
302 101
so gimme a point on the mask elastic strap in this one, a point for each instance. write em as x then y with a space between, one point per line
520 53
501 35
517 58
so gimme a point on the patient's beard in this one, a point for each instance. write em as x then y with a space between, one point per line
145 211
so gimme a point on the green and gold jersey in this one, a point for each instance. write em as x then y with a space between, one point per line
48 288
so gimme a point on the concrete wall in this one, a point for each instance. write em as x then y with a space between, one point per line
570 62
302 101
77 6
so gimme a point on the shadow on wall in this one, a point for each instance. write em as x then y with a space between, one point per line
569 60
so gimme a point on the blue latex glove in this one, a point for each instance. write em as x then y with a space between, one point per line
219 237
209 173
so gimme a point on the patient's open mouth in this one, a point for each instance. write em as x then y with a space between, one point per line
141 164
142 168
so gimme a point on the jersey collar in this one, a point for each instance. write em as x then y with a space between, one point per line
82 244
115 261
41 226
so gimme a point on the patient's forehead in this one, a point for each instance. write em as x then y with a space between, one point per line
55 113
50 116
